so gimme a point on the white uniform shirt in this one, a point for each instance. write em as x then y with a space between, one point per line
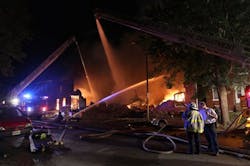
211 116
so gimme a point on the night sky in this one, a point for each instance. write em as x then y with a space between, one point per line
53 22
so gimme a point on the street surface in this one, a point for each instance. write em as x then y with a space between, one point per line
110 150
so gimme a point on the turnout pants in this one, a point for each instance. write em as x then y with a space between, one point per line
193 139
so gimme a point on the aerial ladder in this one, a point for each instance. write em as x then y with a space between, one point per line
43 66
221 48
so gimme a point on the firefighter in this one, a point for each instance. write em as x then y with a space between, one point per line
194 125
59 118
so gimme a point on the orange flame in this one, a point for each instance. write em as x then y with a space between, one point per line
175 94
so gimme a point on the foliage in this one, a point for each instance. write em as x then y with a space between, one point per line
14 31
224 21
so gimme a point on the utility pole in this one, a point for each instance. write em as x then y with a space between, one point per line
147 91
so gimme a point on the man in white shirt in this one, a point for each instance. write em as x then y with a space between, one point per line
210 117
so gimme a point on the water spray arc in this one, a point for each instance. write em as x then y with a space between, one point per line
91 89
114 68
112 61
105 99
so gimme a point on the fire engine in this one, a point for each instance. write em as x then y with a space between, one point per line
40 104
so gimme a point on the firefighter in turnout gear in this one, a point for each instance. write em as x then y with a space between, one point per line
194 125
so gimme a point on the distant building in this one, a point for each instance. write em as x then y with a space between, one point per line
234 96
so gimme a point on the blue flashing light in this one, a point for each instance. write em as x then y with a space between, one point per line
27 96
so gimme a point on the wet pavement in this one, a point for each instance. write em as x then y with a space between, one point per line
114 150
235 141
120 149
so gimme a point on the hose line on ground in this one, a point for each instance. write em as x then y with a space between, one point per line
105 134
158 134
158 151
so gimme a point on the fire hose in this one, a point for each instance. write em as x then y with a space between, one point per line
144 143
158 151
151 135
158 134
169 138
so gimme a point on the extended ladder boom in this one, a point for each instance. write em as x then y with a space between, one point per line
31 77
222 49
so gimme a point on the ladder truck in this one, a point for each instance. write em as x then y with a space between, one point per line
223 49
43 66
15 92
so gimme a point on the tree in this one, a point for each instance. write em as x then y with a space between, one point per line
14 32
221 20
